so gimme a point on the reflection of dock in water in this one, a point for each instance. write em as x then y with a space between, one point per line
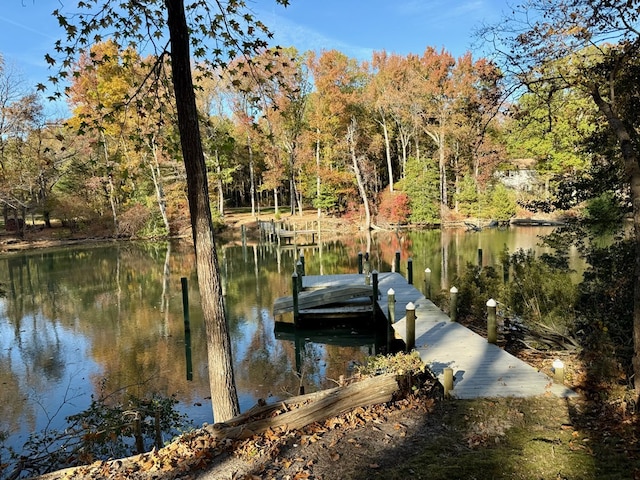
287 234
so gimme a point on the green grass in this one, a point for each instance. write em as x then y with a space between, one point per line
543 438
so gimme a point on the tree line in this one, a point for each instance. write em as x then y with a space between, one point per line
396 139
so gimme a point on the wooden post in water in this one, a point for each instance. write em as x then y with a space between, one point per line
294 288
391 304
300 272
374 276
411 326
492 328
303 269
453 307
396 264
187 327
410 271
367 269
427 283
359 263
448 381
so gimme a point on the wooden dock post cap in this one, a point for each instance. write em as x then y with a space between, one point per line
453 290
410 306
391 291
427 270
492 303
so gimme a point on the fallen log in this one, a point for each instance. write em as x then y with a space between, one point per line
370 391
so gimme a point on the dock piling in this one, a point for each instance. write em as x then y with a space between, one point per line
411 326
374 277
295 292
453 307
448 381
492 329
367 269
396 264
558 370
427 283
410 271
391 303
300 274
359 263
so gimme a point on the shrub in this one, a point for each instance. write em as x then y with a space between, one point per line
422 190
605 308
540 292
475 286
604 212
394 207
132 221
501 203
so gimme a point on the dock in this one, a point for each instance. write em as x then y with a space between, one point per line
314 298
481 369
276 232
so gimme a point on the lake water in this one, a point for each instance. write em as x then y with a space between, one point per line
77 322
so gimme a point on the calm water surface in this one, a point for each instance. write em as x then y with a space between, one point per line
77 322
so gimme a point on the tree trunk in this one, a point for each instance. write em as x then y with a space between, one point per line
112 200
220 185
351 139
276 207
157 183
252 179
387 149
318 189
224 397
632 169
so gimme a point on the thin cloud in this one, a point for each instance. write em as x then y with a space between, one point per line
27 28
287 33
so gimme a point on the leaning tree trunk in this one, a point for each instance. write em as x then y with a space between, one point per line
351 139
223 390
387 149
632 169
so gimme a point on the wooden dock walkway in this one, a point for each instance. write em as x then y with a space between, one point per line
277 232
312 298
481 369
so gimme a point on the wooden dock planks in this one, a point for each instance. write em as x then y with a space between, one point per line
481 369
322 297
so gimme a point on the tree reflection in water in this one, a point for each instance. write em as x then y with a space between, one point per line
75 320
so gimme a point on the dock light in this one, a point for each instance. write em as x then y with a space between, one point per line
558 370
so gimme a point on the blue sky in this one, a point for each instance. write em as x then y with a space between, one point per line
355 27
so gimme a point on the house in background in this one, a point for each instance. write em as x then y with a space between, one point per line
520 175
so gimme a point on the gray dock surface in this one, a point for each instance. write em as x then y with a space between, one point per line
481 369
